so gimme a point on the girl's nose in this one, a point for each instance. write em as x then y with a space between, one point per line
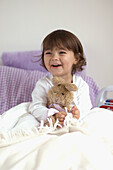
55 56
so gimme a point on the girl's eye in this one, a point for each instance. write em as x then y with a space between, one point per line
62 93
47 53
62 52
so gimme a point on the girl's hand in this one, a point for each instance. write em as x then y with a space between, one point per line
75 112
61 117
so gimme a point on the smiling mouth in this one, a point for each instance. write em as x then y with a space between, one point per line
56 65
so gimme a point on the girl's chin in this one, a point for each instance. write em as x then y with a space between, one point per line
56 74
56 70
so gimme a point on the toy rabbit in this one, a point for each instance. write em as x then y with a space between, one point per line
60 96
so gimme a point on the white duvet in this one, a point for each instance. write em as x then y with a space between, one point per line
82 145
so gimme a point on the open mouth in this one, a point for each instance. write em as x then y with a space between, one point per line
56 65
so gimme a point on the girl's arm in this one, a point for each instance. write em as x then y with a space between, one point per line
83 101
38 107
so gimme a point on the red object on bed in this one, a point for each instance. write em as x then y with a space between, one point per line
109 107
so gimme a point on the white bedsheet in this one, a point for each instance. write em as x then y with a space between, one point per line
85 145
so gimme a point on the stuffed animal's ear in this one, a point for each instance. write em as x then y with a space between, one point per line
71 87
57 81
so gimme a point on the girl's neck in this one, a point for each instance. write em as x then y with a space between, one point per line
68 79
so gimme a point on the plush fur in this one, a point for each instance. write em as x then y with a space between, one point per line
61 93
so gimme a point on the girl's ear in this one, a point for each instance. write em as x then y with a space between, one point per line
71 87
77 58
76 61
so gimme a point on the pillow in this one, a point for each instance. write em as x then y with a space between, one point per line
24 60
16 86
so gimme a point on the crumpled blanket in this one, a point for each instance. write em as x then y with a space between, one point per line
79 145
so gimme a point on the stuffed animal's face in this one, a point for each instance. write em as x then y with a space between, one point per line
61 93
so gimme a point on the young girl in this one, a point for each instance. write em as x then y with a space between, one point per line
62 56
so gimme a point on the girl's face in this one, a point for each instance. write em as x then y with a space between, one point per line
59 62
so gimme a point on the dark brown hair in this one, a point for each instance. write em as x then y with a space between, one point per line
65 39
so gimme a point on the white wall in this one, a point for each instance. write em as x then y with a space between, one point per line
24 24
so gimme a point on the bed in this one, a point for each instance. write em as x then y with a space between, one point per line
24 144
